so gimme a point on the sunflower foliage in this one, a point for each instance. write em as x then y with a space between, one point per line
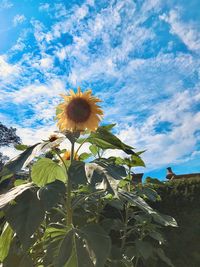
112 225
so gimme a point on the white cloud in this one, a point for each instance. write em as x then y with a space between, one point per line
165 148
7 70
187 32
18 19
6 4
44 7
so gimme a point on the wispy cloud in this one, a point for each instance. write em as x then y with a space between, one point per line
18 19
138 57
187 32
6 4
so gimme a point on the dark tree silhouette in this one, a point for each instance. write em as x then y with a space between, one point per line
8 137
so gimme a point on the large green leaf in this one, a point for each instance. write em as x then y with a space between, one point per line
98 243
50 194
144 248
104 139
76 173
23 159
100 174
19 162
163 257
5 241
65 249
53 239
17 256
45 171
80 256
140 203
25 216
13 193
104 175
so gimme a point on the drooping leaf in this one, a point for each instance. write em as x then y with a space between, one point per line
157 236
140 203
19 162
98 243
50 194
145 248
13 193
106 140
5 241
45 171
65 250
163 257
100 174
149 193
80 256
25 216
17 256
53 239
165 220
104 175
76 173
23 159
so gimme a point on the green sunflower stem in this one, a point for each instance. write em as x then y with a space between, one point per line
69 189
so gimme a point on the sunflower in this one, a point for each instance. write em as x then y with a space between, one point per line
67 155
79 112
53 137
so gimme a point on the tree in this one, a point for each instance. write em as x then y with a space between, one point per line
8 137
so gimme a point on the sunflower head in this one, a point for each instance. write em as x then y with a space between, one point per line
67 155
79 112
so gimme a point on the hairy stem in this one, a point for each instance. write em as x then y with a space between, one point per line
69 188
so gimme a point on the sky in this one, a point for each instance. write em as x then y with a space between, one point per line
142 58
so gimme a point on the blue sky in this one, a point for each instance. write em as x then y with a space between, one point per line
142 58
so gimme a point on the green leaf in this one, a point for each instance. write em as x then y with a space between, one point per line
103 175
65 249
163 257
98 242
76 173
45 171
149 193
25 216
23 159
5 241
157 236
80 256
93 149
84 156
140 203
108 127
50 194
106 140
19 162
13 193
53 239
21 147
165 220
17 256
136 161
145 248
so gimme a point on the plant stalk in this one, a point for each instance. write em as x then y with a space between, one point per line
69 189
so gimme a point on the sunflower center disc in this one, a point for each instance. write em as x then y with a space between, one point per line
78 110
